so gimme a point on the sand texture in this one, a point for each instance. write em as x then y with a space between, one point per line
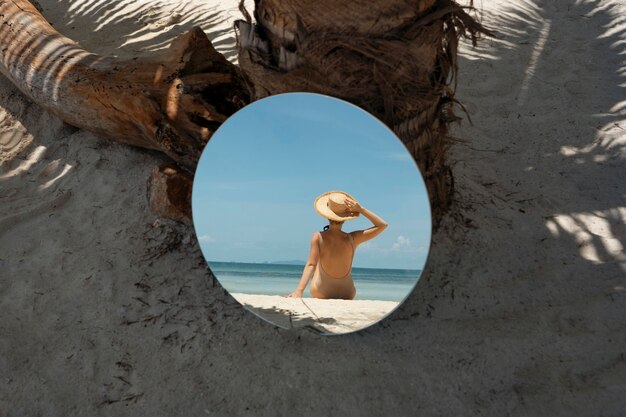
108 310
324 316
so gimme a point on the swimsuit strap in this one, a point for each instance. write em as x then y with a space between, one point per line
353 250
320 254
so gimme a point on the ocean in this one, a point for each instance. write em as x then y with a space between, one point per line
277 279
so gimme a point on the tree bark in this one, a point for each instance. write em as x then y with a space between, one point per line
172 102
396 59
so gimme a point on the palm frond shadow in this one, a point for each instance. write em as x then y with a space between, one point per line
128 29
566 186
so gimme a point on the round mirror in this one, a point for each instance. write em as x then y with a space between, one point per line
311 213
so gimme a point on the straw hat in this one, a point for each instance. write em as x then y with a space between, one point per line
332 205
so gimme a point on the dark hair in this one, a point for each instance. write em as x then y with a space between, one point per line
332 222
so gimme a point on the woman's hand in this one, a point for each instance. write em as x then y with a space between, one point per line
352 206
295 294
360 236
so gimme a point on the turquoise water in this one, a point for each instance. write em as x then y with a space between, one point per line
276 279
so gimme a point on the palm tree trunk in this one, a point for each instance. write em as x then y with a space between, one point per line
396 59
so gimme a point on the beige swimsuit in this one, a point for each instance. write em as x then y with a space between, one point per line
334 287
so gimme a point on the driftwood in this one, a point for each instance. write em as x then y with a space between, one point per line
172 102
396 59
169 193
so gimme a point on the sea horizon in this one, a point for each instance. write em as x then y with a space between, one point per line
302 263
267 278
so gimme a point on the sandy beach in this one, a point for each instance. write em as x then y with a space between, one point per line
325 316
107 309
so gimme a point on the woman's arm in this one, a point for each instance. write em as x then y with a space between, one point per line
309 268
360 236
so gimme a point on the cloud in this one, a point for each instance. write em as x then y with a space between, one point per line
401 243
206 239
398 156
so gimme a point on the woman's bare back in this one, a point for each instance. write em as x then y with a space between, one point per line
333 275
336 253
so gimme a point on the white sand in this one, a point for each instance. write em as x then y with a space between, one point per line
522 309
325 316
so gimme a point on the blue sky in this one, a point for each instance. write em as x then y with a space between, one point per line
261 171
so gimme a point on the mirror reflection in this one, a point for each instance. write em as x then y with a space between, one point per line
311 213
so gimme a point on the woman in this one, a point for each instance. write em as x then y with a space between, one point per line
332 251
